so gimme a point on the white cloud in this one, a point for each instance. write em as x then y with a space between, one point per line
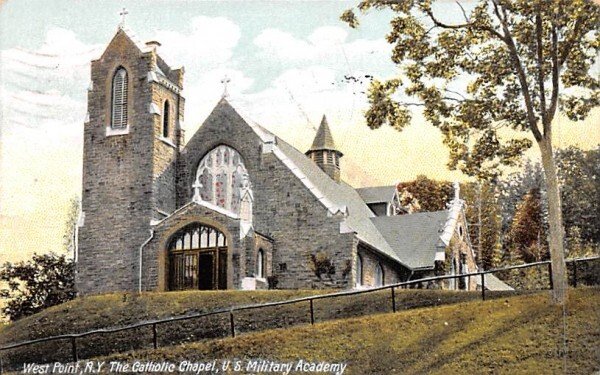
209 43
327 45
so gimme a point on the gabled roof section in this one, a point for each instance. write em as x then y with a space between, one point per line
377 194
415 238
323 139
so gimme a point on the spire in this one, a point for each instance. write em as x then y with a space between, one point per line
324 153
323 140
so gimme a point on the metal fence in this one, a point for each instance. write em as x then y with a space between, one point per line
230 313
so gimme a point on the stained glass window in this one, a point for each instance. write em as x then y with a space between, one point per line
224 178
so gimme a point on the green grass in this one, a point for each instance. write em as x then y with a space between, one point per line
514 335
115 310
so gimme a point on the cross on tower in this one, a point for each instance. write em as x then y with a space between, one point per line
123 13
225 81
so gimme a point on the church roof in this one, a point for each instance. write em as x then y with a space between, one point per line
414 237
377 194
408 239
323 139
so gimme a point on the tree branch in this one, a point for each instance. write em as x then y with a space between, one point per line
555 71
467 25
514 54
540 68
463 11
568 45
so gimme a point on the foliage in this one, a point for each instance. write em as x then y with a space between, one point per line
510 64
507 64
527 235
579 178
484 218
425 194
45 280
579 175
322 265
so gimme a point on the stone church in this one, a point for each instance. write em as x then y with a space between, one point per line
234 207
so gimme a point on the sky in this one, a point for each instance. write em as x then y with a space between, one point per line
286 61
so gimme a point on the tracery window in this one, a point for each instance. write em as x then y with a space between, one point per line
119 99
223 180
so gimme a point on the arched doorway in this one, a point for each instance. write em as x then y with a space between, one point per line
198 258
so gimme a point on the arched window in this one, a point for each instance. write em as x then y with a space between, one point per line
260 264
359 270
379 276
119 99
224 180
166 116
198 258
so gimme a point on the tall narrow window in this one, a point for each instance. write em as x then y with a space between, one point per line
379 276
359 270
260 264
166 115
119 99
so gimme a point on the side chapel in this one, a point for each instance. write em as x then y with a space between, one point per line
234 207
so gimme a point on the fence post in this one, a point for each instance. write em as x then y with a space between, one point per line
483 286
74 348
312 312
550 275
1 367
231 323
574 274
154 336
393 299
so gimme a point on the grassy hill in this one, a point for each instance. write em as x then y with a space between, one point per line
515 335
116 310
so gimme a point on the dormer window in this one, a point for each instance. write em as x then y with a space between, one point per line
166 119
119 99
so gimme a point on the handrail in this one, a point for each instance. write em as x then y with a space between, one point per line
230 310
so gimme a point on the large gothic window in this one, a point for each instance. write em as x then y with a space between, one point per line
222 179
119 99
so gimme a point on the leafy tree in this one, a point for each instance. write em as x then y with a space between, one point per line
45 280
431 195
507 64
579 176
485 223
527 233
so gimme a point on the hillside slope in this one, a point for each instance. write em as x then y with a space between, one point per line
117 310
515 335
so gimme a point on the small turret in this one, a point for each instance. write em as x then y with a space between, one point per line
324 153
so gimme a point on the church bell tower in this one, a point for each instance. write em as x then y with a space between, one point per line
132 138
324 153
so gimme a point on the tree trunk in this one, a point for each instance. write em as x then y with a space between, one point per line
556 235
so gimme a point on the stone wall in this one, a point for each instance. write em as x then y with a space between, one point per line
120 192
156 259
284 209
370 259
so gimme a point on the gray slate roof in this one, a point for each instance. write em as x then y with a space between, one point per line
377 194
414 237
323 139
381 233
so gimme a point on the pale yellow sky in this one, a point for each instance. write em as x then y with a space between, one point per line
38 180
286 72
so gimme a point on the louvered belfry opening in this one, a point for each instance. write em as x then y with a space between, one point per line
119 99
